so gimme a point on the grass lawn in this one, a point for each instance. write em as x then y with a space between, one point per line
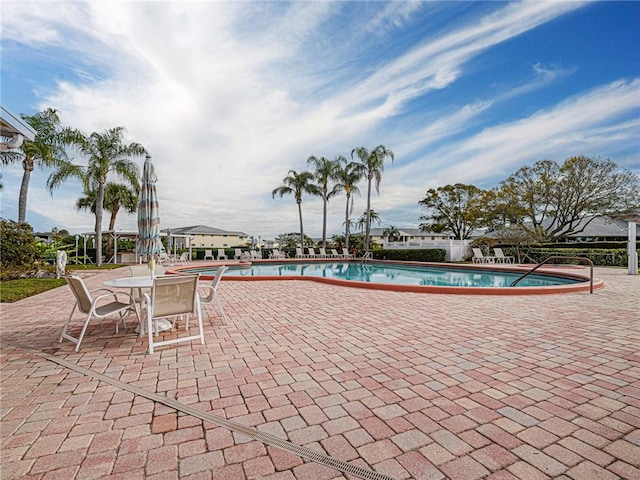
14 290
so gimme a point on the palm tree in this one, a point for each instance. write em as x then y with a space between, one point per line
373 217
47 150
296 184
346 175
324 169
106 154
372 166
392 233
116 196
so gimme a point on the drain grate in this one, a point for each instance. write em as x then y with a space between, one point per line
320 458
250 432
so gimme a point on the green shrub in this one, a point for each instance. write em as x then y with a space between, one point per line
18 249
411 254
604 257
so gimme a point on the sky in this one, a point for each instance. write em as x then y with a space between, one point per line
228 97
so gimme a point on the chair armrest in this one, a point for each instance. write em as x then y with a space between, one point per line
101 290
112 294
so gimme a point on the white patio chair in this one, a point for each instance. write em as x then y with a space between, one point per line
479 257
95 307
335 254
237 254
300 254
212 296
222 254
138 293
312 252
208 254
501 257
346 254
172 296
183 259
323 253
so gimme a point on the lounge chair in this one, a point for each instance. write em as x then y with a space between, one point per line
222 254
346 254
212 296
165 259
255 255
501 257
312 252
277 254
335 254
237 255
208 255
97 307
479 257
299 253
172 296
183 259
323 253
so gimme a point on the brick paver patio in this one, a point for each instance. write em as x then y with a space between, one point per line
408 385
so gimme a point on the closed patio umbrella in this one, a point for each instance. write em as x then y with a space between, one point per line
148 213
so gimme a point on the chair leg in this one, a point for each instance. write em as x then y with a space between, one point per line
84 329
66 324
150 330
199 313
224 315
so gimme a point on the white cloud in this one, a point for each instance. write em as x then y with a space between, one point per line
228 96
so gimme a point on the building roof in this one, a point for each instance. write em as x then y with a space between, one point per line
13 127
599 227
202 230
408 232
603 227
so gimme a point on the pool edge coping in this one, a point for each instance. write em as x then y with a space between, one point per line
582 286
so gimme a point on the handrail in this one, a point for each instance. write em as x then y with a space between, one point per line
367 256
588 260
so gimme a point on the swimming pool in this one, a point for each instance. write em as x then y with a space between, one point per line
402 276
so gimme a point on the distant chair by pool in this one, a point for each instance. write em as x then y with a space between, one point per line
501 257
222 255
346 254
479 257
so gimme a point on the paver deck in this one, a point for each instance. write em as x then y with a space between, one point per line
404 384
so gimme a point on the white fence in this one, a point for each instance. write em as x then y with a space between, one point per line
457 250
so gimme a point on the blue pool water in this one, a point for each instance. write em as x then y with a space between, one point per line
393 274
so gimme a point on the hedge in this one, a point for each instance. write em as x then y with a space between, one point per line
411 254
604 257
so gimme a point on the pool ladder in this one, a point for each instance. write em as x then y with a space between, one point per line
367 256
555 257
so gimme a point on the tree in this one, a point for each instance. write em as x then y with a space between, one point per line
116 196
372 166
324 169
553 201
290 240
372 217
47 150
347 175
296 184
106 154
18 250
392 233
456 208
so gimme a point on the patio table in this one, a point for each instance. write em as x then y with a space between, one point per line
138 283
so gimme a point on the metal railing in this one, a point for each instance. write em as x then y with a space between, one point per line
556 257
367 256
